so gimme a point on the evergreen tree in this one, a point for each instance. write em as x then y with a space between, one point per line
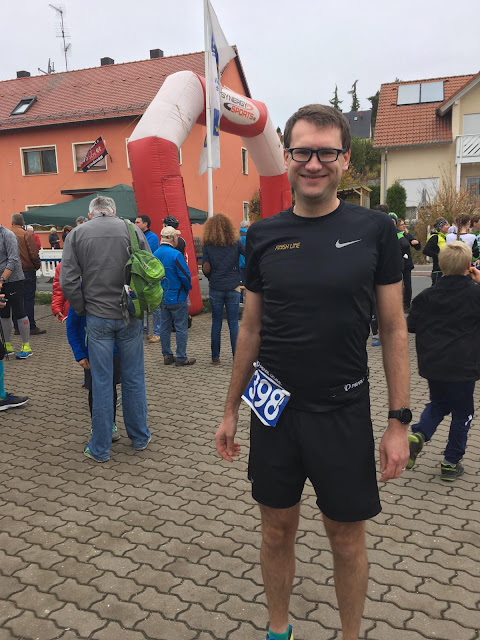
355 101
335 102
374 102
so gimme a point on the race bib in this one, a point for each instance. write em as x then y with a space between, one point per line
266 396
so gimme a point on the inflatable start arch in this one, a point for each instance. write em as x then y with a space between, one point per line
153 153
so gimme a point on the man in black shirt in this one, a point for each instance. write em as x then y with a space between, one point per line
311 275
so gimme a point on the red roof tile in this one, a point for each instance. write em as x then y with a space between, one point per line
403 125
112 91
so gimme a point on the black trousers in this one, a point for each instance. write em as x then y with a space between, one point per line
407 288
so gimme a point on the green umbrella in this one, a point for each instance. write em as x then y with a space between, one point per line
65 213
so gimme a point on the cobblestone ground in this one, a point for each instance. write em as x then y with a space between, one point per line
163 544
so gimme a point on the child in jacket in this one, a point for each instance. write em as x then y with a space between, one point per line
446 321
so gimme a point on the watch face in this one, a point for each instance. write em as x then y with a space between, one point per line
405 416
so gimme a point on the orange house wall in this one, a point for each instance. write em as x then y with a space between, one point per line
231 188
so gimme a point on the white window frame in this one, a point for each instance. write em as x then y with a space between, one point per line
244 156
126 151
94 168
29 207
246 210
40 146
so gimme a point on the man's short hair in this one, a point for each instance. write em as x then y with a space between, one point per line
381 207
476 216
17 219
455 258
322 117
146 220
80 220
102 203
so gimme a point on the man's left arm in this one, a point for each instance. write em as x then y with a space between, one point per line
71 276
394 450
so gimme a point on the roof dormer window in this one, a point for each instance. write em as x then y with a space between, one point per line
23 106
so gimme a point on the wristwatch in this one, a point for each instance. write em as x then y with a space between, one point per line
404 415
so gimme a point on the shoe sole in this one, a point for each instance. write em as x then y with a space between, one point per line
24 357
12 406
414 450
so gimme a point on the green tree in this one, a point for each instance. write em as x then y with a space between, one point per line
254 207
335 102
355 101
397 200
374 102
364 158
374 196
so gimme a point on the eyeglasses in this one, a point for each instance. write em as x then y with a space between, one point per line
300 154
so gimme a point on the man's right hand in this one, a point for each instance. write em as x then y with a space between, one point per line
224 438
84 363
59 316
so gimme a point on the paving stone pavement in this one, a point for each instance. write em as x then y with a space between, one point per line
163 544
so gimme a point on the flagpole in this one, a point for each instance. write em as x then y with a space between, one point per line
208 112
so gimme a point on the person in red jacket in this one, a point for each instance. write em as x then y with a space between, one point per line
59 302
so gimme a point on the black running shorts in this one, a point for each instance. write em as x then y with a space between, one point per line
334 450
14 298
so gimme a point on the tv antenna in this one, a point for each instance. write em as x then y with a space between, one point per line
50 68
63 33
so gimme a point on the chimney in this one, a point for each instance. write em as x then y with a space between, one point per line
105 61
156 53
23 74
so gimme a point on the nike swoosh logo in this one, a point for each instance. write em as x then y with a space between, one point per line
339 244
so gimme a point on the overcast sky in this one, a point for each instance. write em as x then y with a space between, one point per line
293 52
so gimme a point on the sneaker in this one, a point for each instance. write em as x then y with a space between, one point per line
9 402
37 332
289 637
154 339
186 362
169 359
115 433
375 341
415 443
217 361
88 453
451 471
144 446
24 353
9 349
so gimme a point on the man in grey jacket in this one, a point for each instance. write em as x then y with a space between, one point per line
92 280
11 284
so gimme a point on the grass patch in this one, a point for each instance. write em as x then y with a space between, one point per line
43 297
206 305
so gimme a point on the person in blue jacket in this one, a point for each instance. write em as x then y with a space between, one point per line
77 339
176 285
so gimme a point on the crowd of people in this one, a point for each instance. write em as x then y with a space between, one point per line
312 276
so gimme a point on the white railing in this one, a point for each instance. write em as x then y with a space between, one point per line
49 259
468 148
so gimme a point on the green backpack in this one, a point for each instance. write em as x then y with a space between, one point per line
143 275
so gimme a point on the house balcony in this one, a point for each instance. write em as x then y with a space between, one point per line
468 149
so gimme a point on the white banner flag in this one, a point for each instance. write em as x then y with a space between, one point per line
219 54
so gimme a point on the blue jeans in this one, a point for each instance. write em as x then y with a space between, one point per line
448 397
231 301
102 334
157 320
178 313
